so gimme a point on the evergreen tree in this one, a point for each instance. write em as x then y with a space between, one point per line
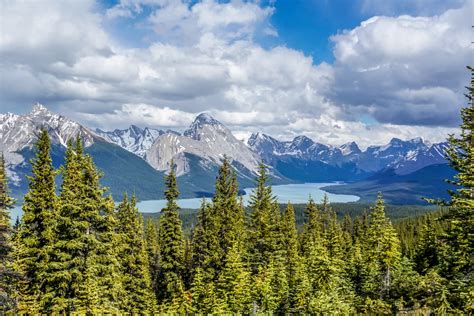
109 268
228 212
153 251
205 243
7 276
427 250
261 230
134 260
266 249
382 244
233 283
76 244
298 284
38 232
458 254
105 240
312 234
171 244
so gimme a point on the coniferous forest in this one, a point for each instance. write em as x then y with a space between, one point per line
80 252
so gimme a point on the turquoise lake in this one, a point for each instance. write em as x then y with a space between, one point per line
295 193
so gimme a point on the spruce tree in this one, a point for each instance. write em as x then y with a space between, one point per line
261 230
233 283
76 245
134 260
7 275
458 254
103 255
38 232
153 251
266 249
427 250
228 212
205 243
382 245
171 244
219 227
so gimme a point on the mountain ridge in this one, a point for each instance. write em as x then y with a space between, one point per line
199 150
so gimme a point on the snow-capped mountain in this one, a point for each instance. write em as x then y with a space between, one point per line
133 139
402 156
349 149
205 138
135 158
300 147
18 132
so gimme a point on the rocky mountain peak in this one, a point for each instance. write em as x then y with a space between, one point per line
38 109
350 148
206 118
202 121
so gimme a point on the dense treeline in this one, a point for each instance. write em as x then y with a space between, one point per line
79 253
397 213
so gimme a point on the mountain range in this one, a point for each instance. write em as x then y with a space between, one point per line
135 159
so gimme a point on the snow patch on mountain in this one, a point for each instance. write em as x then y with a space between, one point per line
207 138
133 139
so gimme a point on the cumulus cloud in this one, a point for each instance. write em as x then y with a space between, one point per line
405 70
203 56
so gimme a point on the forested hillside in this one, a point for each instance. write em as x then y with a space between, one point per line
77 252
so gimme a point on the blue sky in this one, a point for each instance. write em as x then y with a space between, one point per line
305 25
334 70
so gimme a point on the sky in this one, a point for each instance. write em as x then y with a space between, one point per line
333 70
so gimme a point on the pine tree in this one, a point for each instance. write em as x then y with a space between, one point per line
233 283
313 229
171 244
219 229
298 284
153 251
38 232
7 276
228 211
427 249
76 246
458 254
205 242
460 155
103 253
266 249
109 269
134 260
383 245
261 237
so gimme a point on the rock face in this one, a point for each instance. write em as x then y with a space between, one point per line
133 139
206 138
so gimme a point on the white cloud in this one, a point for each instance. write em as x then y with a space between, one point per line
402 70
405 70
144 114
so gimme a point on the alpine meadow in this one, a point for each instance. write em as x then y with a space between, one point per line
236 157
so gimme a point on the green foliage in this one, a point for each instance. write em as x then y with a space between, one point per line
133 259
37 233
8 277
171 246
79 254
